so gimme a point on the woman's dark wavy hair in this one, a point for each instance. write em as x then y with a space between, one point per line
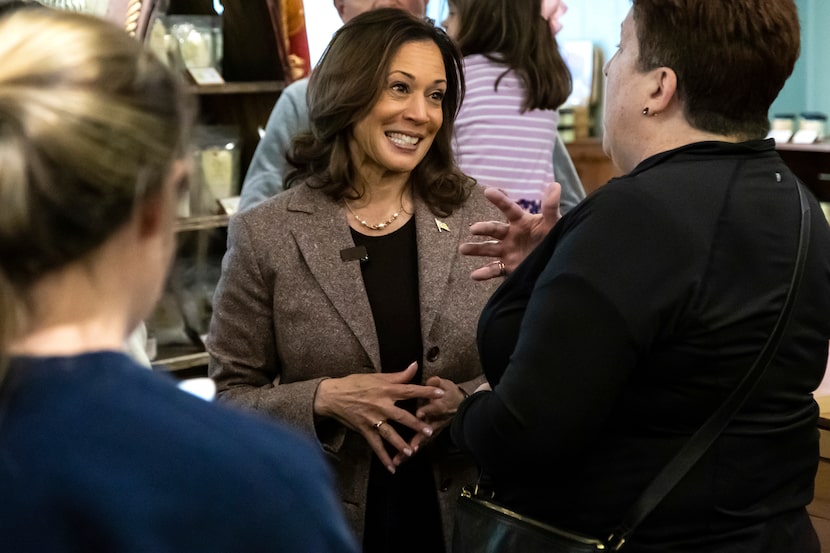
513 32
344 87
731 57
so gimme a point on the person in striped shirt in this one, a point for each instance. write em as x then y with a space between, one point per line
506 130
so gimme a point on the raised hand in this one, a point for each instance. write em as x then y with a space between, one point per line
366 402
512 241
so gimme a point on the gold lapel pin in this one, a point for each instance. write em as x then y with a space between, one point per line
442 226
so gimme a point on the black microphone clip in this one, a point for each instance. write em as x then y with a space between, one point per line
358 253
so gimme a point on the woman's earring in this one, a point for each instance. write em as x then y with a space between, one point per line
645 111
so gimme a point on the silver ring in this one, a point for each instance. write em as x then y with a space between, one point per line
378 424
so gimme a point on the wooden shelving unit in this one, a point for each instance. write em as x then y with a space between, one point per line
259 87
592 165
254 65
204 222
173 362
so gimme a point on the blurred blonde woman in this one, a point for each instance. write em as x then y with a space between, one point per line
97 453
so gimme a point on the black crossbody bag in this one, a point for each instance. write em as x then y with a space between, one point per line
484 526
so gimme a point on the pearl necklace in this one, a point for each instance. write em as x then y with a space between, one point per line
379 226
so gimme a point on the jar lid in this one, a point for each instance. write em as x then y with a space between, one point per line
814 116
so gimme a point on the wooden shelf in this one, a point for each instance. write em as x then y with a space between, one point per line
254 66
824 410
182 362
811 163
202 222
820 147
592 165
249 87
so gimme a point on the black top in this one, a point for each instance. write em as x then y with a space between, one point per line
390 275
402 512
628 326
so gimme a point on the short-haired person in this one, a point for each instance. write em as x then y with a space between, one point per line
344 305
269 167
96 452
641 310
506 131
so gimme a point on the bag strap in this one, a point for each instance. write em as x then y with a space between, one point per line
697 445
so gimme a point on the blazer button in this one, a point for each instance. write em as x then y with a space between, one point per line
432 354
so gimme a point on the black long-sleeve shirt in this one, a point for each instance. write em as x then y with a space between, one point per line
629 325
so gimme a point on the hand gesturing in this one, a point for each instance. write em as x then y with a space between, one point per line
512 241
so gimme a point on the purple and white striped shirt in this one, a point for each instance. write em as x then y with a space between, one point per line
497 144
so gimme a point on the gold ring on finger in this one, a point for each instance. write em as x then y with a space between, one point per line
500 264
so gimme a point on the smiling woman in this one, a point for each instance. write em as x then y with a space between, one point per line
337 103
398 132
357 323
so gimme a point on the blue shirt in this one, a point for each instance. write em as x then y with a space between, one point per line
99 454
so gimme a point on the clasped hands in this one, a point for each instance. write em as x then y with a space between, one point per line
365 402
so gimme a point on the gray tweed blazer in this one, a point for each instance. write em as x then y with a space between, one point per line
289 312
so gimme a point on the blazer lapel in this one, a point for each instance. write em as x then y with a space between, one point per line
438 240
321 232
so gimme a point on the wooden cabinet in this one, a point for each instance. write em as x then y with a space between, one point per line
811 163
592 165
